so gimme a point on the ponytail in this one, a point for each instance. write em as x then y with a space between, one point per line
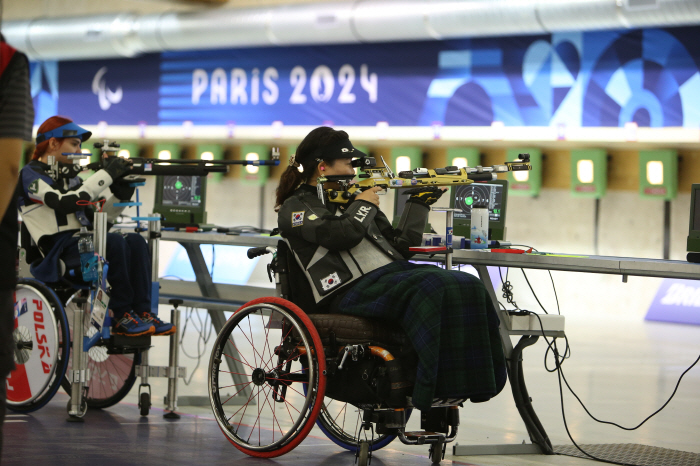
305 156
289 182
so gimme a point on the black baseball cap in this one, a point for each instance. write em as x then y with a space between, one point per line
342 149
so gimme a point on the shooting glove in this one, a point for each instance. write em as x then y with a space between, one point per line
426 194
121 189
117 167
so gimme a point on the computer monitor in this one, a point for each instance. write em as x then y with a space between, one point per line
493 193
181 200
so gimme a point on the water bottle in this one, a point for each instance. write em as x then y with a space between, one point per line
479 227
86 248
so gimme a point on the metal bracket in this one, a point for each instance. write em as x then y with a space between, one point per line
160 371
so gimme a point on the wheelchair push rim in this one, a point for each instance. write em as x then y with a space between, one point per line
270 339
111 375
41 347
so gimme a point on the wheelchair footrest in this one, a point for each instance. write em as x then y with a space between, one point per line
423 437
161 371
123 344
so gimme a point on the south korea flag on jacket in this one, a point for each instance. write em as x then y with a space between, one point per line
331 281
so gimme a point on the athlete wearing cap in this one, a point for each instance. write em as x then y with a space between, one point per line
354 262
55 204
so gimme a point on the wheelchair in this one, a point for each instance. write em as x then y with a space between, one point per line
351 376
43 336
45 346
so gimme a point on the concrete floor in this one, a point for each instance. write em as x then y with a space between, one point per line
623 371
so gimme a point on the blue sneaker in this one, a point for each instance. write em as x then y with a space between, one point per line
131 325
161 328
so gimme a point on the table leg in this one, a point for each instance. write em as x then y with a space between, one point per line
218 319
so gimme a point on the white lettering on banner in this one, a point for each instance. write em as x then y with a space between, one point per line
369 83
271 92
239 81
362 213
679 294
322 84
297 78
218 87
346 78
255 87
200 82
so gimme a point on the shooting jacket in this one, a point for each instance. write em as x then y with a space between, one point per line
336 244
49 206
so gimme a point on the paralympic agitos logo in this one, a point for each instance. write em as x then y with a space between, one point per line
105 96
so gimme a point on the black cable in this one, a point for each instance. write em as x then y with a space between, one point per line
507 289
559 360
648 417
202 338
533 291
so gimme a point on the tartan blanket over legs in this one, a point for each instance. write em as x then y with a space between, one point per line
450 319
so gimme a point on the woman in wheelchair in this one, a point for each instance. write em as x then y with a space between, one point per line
356 263
55 205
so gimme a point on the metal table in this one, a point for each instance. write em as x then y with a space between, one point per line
218 298
480 259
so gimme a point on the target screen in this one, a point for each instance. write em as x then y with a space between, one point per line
182 191
469 195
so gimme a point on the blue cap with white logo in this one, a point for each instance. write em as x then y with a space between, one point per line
70 130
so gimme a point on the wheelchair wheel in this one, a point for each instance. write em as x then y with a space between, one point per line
111 375
42 348
278 350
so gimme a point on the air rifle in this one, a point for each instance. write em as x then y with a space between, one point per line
383 177
162 167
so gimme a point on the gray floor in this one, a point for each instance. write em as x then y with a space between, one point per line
623 370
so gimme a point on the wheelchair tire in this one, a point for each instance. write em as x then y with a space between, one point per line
42 350
111 375
270 339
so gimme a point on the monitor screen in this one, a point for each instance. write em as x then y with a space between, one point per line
182 191
181 200
491 195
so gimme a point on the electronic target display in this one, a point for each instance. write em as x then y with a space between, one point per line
182 191
181 200
493 194
483 194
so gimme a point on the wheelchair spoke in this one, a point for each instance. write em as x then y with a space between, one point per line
243 407
239 353
239 391
343 411
267 371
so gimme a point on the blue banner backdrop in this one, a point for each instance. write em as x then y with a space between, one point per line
650 77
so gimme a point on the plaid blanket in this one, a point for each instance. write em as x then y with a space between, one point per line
450 320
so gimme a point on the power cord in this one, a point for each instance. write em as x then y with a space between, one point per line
559 360
203 337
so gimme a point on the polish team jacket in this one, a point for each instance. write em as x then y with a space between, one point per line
336 244
49 206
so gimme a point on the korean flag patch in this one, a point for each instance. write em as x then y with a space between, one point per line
331 281
297 219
